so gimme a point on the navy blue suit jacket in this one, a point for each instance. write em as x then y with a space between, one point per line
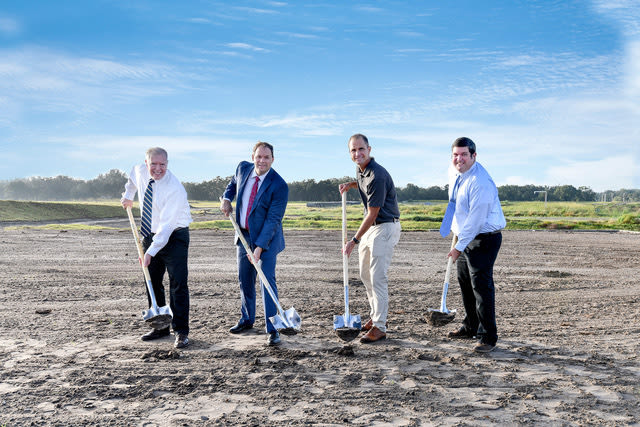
267 211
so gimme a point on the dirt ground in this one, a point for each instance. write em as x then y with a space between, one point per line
568 311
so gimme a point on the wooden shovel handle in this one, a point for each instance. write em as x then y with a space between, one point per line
454 242
136 237
447 273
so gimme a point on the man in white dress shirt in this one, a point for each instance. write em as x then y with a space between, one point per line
166 245
477 221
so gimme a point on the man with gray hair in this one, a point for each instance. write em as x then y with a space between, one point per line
165 233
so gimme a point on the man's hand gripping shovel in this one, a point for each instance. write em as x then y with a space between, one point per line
287 322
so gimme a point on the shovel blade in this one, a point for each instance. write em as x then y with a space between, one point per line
440 318
348 334
288 323
351 321
158 317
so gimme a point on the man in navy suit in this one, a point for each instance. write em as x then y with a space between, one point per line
262 200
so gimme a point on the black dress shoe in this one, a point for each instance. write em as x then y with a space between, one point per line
182 341
274 338
462 333
154 334
241 327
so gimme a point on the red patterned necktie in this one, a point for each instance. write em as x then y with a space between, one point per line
254 191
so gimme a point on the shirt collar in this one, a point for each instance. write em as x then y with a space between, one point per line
368 169
469 172
261 178
163 179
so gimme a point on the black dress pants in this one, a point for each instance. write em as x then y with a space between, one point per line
172 259
475 276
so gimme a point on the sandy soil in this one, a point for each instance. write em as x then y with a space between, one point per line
568 307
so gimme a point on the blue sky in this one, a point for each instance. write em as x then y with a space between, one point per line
548 90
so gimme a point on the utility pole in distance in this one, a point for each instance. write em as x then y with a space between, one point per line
545 198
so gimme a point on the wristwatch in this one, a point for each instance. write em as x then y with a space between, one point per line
354 240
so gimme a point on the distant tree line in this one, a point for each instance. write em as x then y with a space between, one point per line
106 186
111 184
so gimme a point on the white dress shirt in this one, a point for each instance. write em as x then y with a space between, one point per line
246 194
478 207
170 207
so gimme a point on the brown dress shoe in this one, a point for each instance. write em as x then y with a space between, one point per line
369 324
373 335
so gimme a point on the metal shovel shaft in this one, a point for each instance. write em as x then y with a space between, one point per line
346 321
445 287
345 278
292 320
345 258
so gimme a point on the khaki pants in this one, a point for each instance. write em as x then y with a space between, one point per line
375 252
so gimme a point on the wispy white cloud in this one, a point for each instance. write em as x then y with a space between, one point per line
49 81
319 29
412 50
199 20
122 151
411 34
9 26
255 10
632 71
624 12
594 174
370 9
303 124
246 46
297 35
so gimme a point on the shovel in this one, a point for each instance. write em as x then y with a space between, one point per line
347 327
443 316
288 322
157 317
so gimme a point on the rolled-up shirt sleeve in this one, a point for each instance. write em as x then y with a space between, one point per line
131 186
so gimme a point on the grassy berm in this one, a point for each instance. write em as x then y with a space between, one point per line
416 216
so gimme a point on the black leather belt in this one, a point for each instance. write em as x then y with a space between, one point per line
378 222
151 235
491 233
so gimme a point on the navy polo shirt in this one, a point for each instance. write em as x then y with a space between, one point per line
377 190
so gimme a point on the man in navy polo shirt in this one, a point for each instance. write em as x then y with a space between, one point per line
378 234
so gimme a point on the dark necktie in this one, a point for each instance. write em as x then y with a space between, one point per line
145 226
252 197
445 228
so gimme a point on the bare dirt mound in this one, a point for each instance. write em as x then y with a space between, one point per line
568 308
